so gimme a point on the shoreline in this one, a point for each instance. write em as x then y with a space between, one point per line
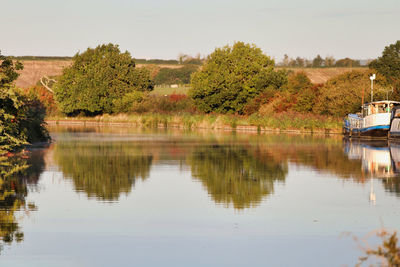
183 125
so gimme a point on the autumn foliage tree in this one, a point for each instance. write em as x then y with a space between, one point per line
231 77
97 79
343 94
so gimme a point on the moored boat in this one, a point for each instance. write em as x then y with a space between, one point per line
373 121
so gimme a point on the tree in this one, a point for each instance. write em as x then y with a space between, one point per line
21 117
317 61
347 62
389 64
175 75
231 77
300 62
329 61
286 60
97 78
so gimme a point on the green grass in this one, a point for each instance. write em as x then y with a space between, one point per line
182 90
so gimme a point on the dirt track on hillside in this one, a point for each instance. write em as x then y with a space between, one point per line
36 69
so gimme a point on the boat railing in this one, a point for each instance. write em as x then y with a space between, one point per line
353 121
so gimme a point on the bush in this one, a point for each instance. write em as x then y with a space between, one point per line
97 78
343 94
231 77
127 102
307 97
298 82
146 103
347 62
175 76
45 97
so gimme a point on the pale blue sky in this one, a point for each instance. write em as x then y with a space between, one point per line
163 29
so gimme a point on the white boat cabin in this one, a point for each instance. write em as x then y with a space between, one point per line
373 114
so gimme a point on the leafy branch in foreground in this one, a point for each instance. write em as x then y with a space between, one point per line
388 252
21 116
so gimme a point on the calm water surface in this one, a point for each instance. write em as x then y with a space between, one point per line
120 196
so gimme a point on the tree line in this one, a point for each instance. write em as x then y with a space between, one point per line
238 79
318 62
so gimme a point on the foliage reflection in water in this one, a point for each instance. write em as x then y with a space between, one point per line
234 172
18 174
233 175
102 170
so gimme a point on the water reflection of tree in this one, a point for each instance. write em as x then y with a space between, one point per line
232 175
392 185
17 175
102 170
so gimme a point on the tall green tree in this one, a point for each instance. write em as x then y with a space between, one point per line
97 78
389 64
231 77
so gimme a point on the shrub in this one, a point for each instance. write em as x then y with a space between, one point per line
306 98
298 81
343 94
45 97
127 102
164 104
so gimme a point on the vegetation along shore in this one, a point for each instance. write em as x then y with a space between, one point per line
236 87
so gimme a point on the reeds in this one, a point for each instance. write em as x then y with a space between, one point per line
275 122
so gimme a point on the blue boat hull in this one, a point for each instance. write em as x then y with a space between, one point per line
379 131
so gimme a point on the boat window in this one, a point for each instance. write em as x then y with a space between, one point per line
377 108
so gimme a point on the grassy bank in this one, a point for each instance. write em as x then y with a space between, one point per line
278 122
165 90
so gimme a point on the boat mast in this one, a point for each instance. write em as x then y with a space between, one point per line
372 78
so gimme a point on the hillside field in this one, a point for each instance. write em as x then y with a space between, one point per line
35 69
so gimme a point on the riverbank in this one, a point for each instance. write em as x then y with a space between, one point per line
286 122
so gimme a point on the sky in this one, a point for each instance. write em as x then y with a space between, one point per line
163 29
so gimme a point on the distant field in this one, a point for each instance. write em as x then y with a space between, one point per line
321 75
169 91
35 69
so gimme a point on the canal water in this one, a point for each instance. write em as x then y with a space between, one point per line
115 196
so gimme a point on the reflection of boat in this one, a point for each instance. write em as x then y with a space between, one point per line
379 158
395 123
372 122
